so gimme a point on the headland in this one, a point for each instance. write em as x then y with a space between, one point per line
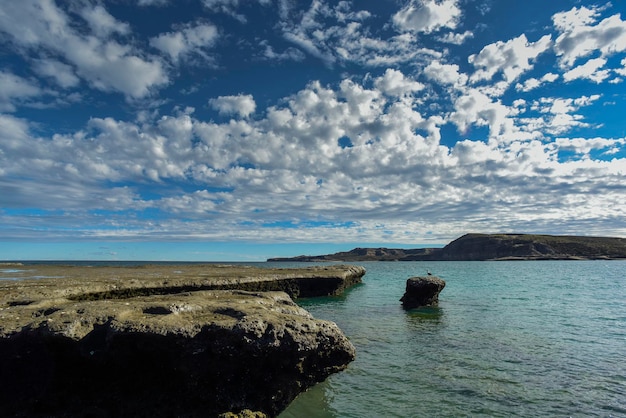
482 247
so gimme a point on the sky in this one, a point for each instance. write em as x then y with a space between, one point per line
209 130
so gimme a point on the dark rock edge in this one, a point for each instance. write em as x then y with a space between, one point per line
185 347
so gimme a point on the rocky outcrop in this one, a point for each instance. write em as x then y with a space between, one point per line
532 247
422 291
164 341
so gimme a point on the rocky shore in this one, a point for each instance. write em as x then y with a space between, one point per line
161 341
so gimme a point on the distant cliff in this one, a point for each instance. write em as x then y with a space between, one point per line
368 254
475 247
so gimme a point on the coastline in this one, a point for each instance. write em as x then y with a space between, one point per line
488 247
223 339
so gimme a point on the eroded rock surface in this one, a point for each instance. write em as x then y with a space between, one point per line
109 344
422 291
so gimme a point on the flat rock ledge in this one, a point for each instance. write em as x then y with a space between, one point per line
165 341
422 291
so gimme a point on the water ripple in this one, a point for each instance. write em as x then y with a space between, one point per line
545 338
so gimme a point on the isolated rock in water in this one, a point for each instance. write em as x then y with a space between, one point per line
422 291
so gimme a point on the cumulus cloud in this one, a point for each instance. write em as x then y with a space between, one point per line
39 26
428 16
585 146
581 35
349 158
190 39
622 71
102 22
533 83
590 70
15 89
456 38
511 58
289 54
230 7
558 115
290 164
476 108
340 35
242 105
394 83
447 74
61 73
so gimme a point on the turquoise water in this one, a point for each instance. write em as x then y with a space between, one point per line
531 338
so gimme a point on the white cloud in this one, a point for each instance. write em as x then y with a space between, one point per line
62 74
533 83
447 74
290 165
242 105
190 39
102 22
512 58
456 38
39 26
590 70
14 90
289 54
622 71
476 108
339 34
14 132
584 146
559 114
428 16
230 7
581 37
394 83
374 140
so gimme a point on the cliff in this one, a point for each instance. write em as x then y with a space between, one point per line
368 254
164 341
474 247
532 247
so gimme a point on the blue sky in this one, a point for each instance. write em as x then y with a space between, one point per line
239 130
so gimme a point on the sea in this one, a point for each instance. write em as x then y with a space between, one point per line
508 338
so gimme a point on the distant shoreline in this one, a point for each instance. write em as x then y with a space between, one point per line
488 247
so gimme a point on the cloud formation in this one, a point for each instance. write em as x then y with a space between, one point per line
41 28
581 35
190 39
328 122
428 16
242 105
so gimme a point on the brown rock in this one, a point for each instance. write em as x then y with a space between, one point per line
422 291
119 345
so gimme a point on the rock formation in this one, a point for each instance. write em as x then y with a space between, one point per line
479 247
164 341
532 247
422 291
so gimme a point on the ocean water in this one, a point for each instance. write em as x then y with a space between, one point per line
519 338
